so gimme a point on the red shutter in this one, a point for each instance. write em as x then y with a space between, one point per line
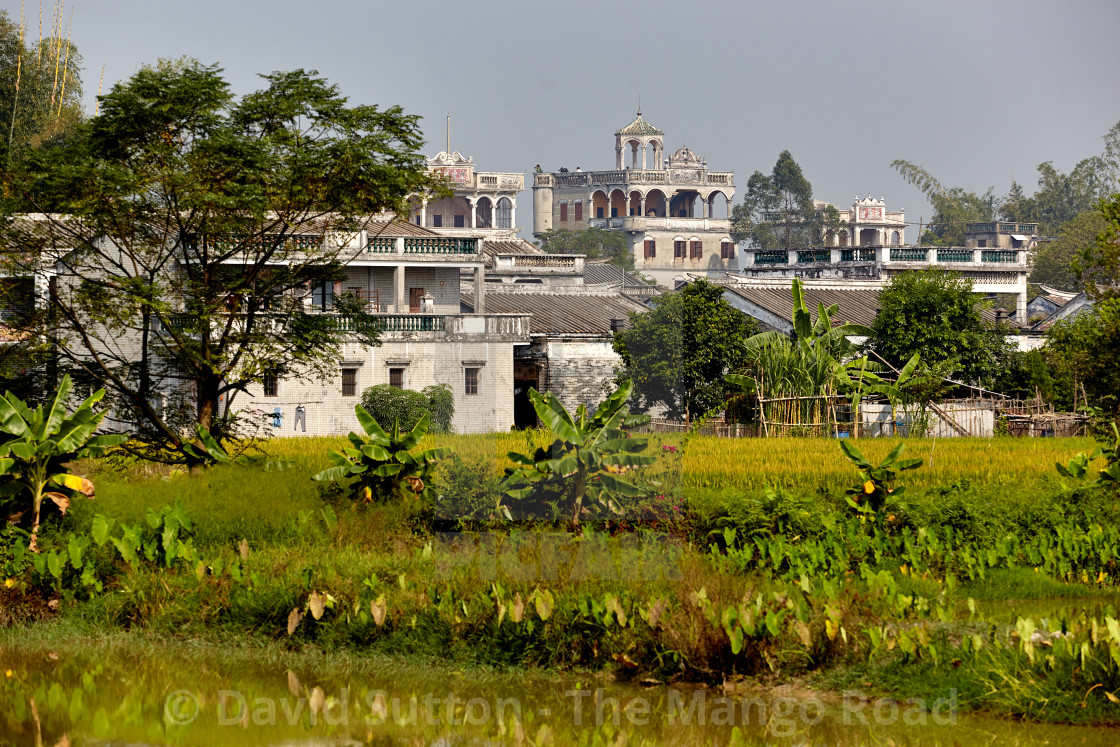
645 249
579 211
563 212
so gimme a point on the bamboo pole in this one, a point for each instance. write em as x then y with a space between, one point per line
66 64
19 70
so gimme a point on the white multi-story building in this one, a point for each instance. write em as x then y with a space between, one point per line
666 206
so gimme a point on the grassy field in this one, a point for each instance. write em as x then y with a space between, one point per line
747 581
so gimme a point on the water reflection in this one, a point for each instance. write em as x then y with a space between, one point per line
48 698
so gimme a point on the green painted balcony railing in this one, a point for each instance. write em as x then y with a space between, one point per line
996 255
440 245
398 323
908 255
381 244
857 255
771 258
806 256
954 255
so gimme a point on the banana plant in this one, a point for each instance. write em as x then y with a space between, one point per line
37 444
383 463
585 462
877 481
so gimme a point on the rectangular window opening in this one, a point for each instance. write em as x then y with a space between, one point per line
349 382
579 210
271 385
396 377
470 377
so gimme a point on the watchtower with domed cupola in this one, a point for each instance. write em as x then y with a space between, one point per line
667 207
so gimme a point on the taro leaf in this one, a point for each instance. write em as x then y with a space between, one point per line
518 610
294 618
316 701
378 608
545 603
656 610
74 548
293 684
315 604
54 564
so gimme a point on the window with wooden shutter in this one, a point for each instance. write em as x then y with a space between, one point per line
563 212
697 249
349 382
470 380
579 211
678 249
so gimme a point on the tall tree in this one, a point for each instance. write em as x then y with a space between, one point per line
953 207
193 226
678 354
596 243
777 210
1054 263
936 314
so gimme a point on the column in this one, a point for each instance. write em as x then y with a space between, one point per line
512 213
643 158
704 208
399 306
479 290
424 212
472 203
643 208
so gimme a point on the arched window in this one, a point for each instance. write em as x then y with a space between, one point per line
505 213
896 238
843 237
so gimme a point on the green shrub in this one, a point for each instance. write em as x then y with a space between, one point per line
388 404
441 406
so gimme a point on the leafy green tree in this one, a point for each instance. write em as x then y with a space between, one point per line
596 243
40 89
953 207
677 355
391 405
1098 267
935 313
577 474
777 210
1082 354
441 405
187 214
1054 263
1060 197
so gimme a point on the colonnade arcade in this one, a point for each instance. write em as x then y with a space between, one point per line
655 203
466 212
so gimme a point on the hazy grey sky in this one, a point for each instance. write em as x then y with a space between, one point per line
977 91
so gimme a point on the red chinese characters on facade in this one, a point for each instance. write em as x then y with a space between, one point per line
870 213
455 174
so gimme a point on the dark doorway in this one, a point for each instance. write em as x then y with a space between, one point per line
414 296
525 376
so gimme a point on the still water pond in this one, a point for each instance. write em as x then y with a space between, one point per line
192 697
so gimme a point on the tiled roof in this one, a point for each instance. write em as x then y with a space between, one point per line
395 228
857 305
599 273
560 313
639 127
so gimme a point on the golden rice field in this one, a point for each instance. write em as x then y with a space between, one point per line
796 462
